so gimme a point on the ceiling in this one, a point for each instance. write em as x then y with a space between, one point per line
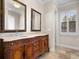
44 1
57 1
65 1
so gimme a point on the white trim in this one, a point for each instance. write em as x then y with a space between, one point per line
69 33
68 46
52 49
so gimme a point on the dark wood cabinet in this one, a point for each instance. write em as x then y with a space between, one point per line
13 50
27 48
17 53
44 46
1 49
36 47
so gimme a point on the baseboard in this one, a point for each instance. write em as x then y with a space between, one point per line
68 46
52 49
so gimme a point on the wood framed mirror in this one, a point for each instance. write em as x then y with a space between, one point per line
1 15
14 16
35 20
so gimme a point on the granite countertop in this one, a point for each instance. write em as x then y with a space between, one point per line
11 37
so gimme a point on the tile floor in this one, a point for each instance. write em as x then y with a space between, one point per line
61 53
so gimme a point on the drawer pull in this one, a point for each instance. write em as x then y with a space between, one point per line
12 43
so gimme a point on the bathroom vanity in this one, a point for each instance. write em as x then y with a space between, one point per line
26 48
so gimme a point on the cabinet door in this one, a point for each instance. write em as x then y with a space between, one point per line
17 53
13 53
1 49
36 47
44 44
28 51
46 47
0 21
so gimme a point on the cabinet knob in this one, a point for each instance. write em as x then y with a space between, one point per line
12 43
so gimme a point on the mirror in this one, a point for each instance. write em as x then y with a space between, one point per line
35 20
15 16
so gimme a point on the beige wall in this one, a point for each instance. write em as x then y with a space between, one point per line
50 23
71 40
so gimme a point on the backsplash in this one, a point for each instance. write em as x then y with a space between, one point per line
15 34
11 34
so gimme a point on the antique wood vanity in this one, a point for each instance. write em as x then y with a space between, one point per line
25 48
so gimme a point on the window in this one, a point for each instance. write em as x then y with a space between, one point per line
68 21
64 26
72 26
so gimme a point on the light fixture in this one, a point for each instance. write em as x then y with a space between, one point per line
16 4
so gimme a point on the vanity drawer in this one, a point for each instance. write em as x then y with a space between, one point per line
11 44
